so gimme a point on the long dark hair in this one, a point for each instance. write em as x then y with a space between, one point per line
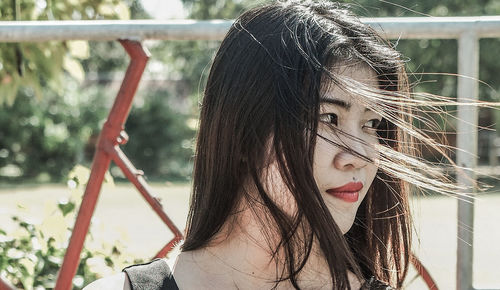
264 89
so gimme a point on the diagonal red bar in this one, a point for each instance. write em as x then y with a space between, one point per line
5 286
108 139
422 271
135 176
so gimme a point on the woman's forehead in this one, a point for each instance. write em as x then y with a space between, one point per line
354 73
349 85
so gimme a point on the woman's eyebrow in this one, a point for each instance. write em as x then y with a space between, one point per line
343 104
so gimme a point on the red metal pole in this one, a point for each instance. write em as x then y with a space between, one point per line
5 286
135 176
72 256
422 271
109 137
168 247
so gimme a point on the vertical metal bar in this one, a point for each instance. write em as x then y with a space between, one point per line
468 70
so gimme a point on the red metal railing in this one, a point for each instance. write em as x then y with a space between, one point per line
422 272
5 286
111 137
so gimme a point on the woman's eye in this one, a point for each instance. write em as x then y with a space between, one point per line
330 118
372 124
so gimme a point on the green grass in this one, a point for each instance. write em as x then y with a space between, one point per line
123 214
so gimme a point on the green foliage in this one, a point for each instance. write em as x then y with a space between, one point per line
105 58
217 9
161 139
32 254
40 65
43 139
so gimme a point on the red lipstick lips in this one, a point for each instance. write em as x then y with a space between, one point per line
348 192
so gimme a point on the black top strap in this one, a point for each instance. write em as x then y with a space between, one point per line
374 284
155 275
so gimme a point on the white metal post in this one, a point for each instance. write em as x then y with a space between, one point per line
468 70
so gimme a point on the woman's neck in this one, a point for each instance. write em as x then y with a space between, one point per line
241 258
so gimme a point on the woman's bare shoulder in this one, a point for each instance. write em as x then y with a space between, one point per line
116 282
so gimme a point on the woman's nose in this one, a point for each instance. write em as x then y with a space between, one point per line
354 156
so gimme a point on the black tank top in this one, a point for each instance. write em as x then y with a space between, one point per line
155 275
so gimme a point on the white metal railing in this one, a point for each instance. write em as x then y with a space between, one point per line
390 27
467 30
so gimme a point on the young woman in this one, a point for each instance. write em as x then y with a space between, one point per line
303 162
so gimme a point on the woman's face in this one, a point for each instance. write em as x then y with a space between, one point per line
342 177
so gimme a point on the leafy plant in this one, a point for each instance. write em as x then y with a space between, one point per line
161 139
44 139
37 65
32 254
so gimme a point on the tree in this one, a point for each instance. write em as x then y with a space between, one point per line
43 121
43 138
38 65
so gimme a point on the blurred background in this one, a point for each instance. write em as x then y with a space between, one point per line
55 96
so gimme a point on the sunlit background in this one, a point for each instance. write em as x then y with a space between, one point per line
163 10
55 96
